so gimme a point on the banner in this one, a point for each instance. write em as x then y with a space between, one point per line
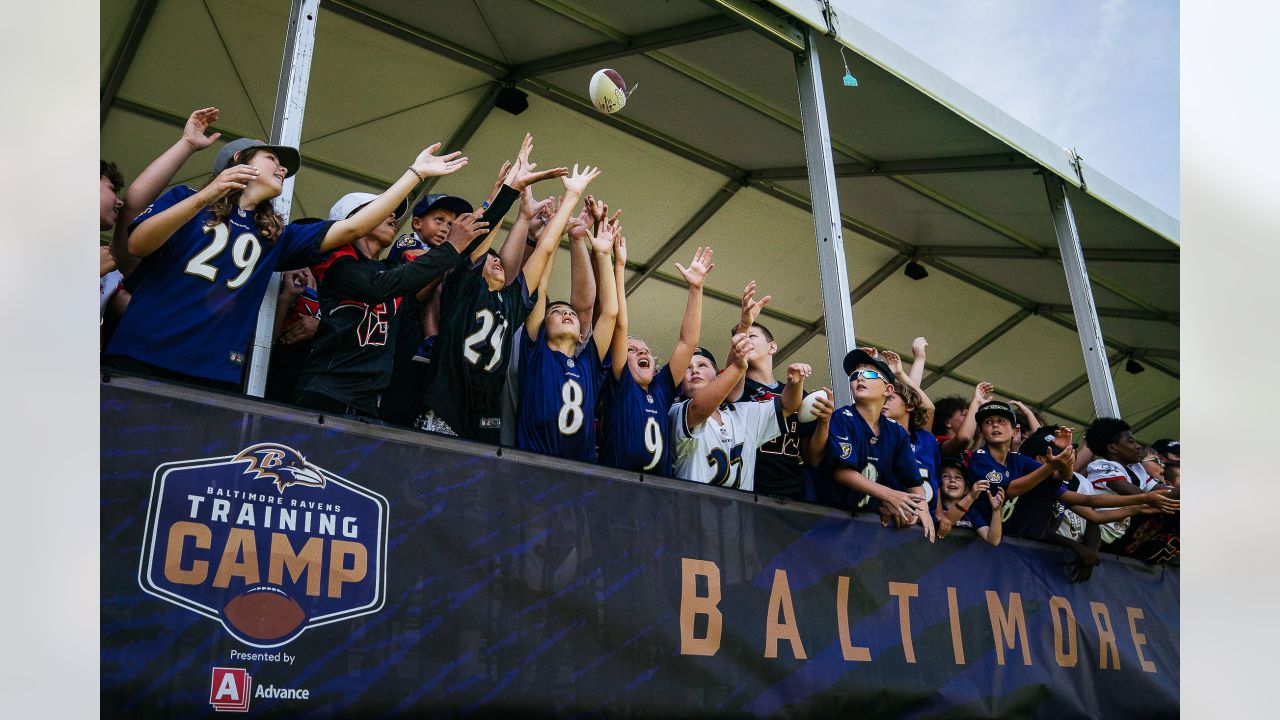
262 560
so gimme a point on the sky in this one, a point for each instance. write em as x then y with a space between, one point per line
1097 75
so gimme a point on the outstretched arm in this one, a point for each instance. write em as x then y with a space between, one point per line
959 442
691 326
618 346
155 178
151 234
751 309
918 347
607 287
582 277
793 393
706 400
426 165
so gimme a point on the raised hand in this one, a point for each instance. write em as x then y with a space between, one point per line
193 133
751 308
1061 436
233 178
428 164
502 178
1065 459
893 361
466 227
983 392
579 226
980 486
739 349
1160 500
997 500
825 406
798 372
524 173
870 351
918 347
576 183
696 274
602 242
620 250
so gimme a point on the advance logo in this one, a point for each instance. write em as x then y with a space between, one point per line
230 689
264 542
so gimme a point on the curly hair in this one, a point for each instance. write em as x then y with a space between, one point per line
1102 433
112 173
911 398
944 408
269 222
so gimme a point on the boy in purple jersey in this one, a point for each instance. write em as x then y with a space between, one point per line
637 394
911 408
956 506
867 460
208 255
559 384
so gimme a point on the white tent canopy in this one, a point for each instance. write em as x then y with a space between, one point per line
708 151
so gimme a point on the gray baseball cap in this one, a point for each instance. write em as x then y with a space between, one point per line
351 202
288 156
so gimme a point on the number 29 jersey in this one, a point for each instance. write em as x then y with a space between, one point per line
473 349
724 453
196 299
558 396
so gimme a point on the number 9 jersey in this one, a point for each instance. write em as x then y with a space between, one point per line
558 394
634 429
196 299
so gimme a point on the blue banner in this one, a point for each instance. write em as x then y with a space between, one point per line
258 559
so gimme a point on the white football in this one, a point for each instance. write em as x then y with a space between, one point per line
608 91
806 406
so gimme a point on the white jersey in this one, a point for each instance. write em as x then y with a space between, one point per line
723 453
1102 472
107 286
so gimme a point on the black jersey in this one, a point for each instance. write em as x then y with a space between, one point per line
473 349
779 470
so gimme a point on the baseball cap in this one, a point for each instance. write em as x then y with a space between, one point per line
706 354
995 407
1039 443
351 202
404 244
858 357
288 156
952 461
1166 446
440 200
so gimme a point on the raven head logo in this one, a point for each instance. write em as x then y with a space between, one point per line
283 465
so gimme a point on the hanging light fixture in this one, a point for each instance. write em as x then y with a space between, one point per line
915 271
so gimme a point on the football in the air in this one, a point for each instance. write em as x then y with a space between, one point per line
264 613
608 91
806 406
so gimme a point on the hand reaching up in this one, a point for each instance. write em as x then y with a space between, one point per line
428 164
466 227
751 308
576 183
193 133
696 274
739 348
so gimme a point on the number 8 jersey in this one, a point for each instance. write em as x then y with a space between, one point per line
558 394
724 453
196 299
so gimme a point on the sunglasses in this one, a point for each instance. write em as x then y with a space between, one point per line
866 374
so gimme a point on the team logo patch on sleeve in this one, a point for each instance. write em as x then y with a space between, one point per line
845 450
265 542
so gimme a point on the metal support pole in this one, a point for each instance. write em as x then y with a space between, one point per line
286 129
1096 363
837 312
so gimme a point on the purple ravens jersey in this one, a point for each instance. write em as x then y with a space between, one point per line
196 299
558 394
982 466
886 459
634 423
929 455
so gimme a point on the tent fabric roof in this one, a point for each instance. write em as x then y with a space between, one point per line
708 151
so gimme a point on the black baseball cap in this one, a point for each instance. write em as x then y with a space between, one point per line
440 200
995 407
858 357
1165 446
1039 443
287 156
706 354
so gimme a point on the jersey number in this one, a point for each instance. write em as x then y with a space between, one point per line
487 333
726 469
653 442
1006 511
571 415
244 254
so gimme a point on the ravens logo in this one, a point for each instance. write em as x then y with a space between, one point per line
281 464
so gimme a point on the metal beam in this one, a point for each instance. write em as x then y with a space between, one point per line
308 162
710 27
923 166
414 36
976 347
1089 329
459 138
700 218
286 129
837 311
1026 253
123 58
1072 386
757 18
1156 415
1112 312
865 287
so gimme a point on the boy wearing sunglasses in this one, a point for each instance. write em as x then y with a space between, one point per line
867 462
